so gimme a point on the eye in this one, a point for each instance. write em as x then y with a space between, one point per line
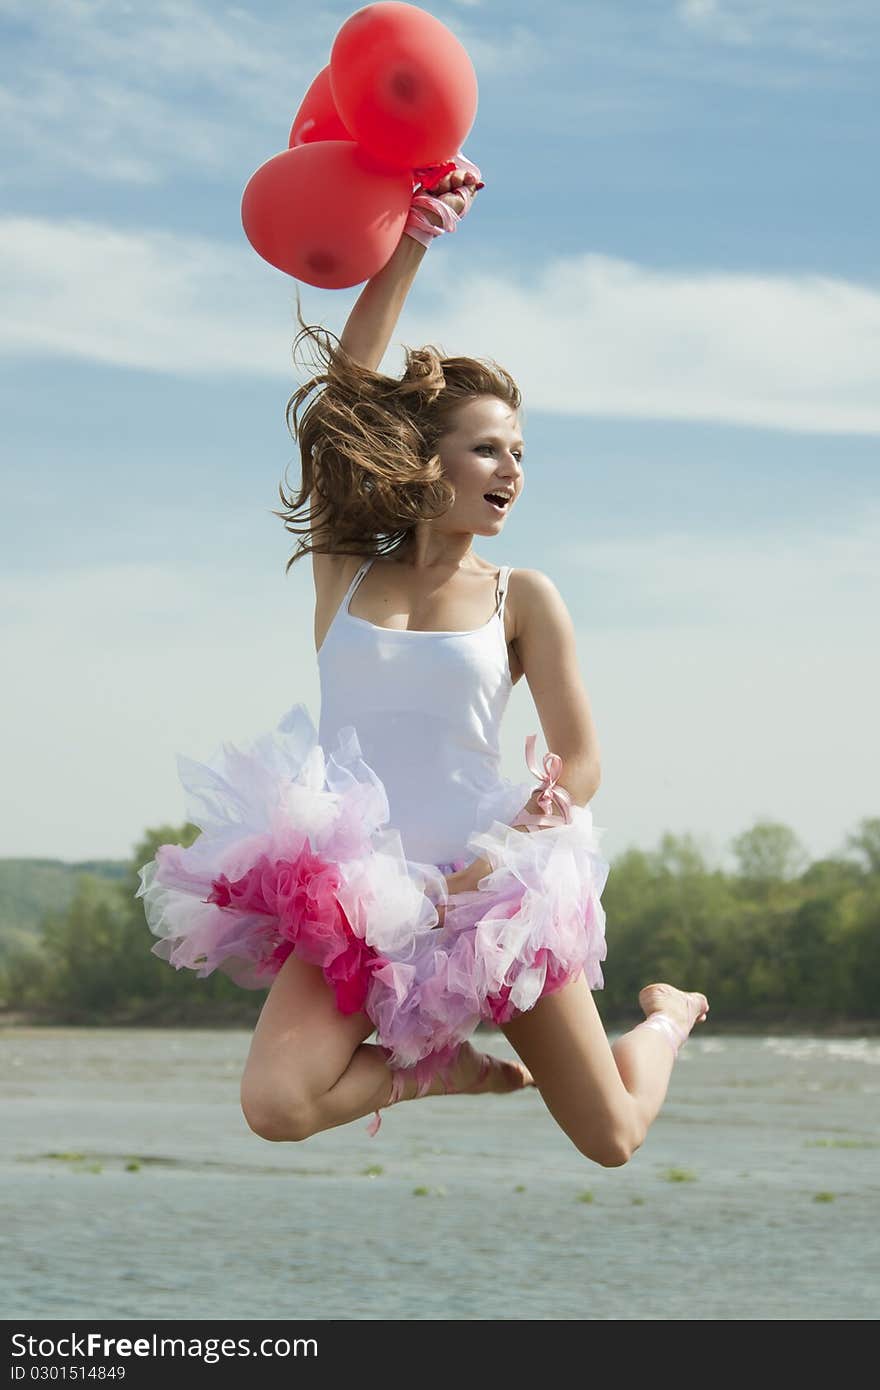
517 453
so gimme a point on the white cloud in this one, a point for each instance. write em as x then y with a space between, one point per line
590 335
509 49
807 26
586 335
112 671
707 730
148 300
708 16
133 93
128 93
799 583
115 134
217 44
739 682
743 684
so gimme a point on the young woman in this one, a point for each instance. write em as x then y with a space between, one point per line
343 866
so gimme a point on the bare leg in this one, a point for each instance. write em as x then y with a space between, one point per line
366 1084
641 1069
309 1067
603 1098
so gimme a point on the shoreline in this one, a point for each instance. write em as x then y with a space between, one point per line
828 1028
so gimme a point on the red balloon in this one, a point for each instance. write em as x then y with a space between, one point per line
317 117
403 84
325 213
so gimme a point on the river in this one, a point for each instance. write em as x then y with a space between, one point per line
132 1188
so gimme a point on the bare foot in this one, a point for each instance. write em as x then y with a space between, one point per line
684 1009
478 1072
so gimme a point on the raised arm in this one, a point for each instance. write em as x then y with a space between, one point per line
373 319
366 336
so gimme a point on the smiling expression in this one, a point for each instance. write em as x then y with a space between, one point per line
482 453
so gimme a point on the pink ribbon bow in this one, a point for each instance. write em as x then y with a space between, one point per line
550 791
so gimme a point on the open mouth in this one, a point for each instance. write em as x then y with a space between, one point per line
498 502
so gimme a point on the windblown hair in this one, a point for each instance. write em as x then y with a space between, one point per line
368 444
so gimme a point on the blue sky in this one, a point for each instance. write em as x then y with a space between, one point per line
675 254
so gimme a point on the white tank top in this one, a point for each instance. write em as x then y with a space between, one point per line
427 709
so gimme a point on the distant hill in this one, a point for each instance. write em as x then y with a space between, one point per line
29 888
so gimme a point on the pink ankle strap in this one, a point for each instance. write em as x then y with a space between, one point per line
662 1023
399 1077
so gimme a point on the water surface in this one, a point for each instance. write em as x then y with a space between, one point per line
132 1188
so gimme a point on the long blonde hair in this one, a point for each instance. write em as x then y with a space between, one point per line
368 444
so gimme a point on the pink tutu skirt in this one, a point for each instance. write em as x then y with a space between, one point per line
296 854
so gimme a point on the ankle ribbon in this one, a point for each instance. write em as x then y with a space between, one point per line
662 1023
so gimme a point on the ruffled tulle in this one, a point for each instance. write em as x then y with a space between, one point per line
534 923
296 854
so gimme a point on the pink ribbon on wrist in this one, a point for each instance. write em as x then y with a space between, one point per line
549 792
420 227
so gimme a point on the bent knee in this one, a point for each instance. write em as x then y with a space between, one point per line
611 1150
611 1157
276 1117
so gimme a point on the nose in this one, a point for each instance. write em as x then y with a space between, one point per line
511 463
513 473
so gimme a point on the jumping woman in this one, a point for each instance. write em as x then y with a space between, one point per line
378 873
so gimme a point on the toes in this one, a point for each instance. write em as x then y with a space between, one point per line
515 1072
698 1007
525 1075
662 996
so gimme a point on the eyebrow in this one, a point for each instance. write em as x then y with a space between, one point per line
496 439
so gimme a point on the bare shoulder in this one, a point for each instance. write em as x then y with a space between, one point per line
330 571
332 575
535 600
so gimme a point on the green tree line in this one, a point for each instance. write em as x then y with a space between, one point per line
778 940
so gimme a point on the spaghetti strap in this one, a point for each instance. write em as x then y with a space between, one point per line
354 583
502 588
342 608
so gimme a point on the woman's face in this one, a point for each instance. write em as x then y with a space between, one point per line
482 452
